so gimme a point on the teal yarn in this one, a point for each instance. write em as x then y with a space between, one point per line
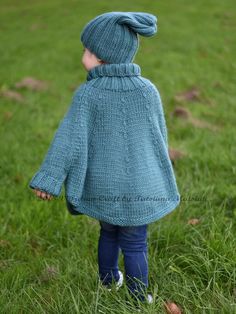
111 150
113 36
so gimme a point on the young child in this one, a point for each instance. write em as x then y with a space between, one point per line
111 149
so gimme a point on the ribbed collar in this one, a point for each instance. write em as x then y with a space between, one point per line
114 69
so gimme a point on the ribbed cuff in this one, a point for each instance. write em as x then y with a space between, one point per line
46 183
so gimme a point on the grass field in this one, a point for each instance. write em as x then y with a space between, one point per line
48 259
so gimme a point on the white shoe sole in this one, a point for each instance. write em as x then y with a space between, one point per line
119 282
149 301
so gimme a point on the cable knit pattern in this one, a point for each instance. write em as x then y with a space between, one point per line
111 150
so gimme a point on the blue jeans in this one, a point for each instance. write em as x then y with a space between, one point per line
132 240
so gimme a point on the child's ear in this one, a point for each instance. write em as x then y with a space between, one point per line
101 61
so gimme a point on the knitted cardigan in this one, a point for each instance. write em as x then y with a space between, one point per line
111 150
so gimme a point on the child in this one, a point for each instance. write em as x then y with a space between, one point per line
111 149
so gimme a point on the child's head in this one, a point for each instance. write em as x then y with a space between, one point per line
113 37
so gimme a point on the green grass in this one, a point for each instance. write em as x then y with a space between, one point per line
194 266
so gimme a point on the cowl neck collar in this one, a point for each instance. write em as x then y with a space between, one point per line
114 69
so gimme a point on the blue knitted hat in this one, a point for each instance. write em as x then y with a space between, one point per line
113 36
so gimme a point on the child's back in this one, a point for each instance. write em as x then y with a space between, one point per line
121 173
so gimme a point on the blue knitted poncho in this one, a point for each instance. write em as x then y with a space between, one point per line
111 150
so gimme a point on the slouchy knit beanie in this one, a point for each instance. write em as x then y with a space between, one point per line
113 36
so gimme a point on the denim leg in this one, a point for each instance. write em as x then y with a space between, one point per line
133 243
108 253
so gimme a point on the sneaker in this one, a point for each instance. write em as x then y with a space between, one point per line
149 298
149 301
119 282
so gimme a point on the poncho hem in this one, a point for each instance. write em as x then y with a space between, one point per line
170 206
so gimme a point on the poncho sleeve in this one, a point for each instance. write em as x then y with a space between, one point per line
55 166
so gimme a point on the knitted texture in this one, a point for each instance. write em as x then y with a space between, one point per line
111 150
113 36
